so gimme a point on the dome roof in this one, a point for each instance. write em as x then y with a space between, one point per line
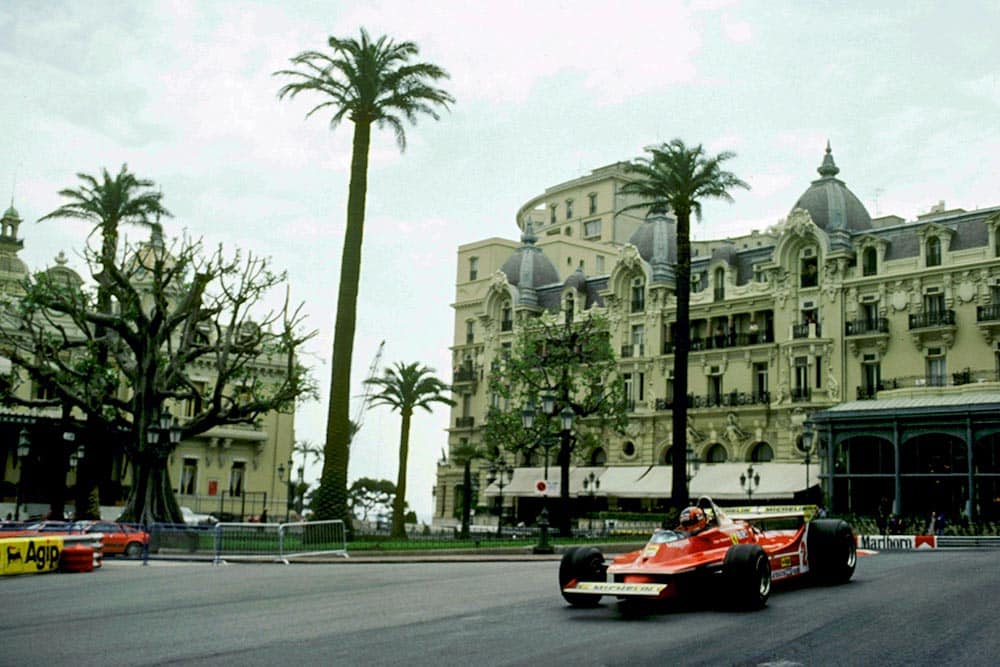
656 241
528 267
831 204
726 253
11 212
577 280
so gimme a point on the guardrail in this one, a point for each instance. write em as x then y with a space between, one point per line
248 541
909 542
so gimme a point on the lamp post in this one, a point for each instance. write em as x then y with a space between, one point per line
301 495
289 487
591 484
502 473
566 416
692 464
807 439
23 449
750 480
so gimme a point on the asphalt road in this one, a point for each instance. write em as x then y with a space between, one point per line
901 609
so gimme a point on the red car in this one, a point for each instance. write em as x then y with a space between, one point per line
733 559
116 538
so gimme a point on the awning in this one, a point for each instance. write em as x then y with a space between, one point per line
719 481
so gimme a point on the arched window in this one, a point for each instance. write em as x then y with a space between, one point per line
570 308
638 294
869 262
716 454
933 251
761 453
598 457
720 284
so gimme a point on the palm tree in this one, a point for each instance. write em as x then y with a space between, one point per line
368 82
106 204
403 388
679 177
465 454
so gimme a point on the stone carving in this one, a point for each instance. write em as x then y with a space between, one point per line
734 434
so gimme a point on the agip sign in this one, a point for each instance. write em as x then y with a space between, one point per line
30 555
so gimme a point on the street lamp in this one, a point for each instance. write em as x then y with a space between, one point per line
750 481
566 417
692 463
23 449
502 473
590 486
807 440
289 487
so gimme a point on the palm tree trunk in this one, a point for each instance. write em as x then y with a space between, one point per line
682 346
399 502
331 496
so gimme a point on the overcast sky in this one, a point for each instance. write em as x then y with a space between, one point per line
907 93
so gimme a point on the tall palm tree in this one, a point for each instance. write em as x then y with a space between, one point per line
404 388
679 177
106 203
368 82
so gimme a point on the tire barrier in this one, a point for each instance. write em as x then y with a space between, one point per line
37 554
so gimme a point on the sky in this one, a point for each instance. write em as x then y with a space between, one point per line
907 93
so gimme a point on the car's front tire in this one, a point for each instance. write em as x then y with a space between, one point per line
581 564
747 574
832 551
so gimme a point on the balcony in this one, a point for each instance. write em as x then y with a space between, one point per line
465 422
723 341
464 374
729 399
806 330
933 326
633 350
801 394
865 327
506 325
988 319
933 319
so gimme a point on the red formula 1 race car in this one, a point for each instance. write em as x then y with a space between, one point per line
716 557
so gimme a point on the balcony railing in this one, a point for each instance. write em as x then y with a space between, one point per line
506 325
990 313
633 350
967 376
637 306
464 374
801 394
802 330
722 341
878 325
465 422
728 399
941 318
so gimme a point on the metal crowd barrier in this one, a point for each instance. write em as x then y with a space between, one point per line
248 541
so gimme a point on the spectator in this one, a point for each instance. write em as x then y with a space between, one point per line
940 522
882 516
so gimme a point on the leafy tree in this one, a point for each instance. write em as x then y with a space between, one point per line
573 363
368 82
175 311
405 388
368 495
679 177
106 204
465 454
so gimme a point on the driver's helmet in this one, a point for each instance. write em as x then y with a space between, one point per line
693 519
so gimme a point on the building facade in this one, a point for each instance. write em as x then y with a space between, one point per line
232 469
827 309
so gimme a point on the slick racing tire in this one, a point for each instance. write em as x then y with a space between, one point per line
832 551
747 574
581 564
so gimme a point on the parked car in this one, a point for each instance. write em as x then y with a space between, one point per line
121 539
193 518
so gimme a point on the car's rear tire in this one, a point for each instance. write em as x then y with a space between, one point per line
133 550
832 551
747 574
582 564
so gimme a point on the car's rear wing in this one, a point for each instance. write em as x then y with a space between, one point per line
761 512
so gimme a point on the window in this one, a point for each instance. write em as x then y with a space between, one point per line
869 262
714 389
720 284
638 340
599 264
869 313
466 404
638 303
570 307
801 373
473 268
470 332
809 276
634 390
592 197
760 381
933 250
934 305
669 393
189 477
592 228
819 372
936 369
192 405
871 376
716 454
506 319
236 475
762 453
552 214
569 209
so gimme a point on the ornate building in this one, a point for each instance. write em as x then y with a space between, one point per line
232 469
796 330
